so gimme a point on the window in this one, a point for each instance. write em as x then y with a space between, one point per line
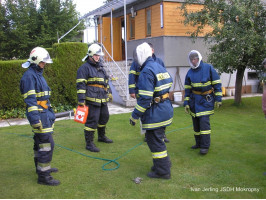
148 22
132 27
252 76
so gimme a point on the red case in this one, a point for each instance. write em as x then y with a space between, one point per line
81 114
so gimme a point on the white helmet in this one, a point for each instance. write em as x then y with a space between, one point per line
94 49
37 55
194 54
143 51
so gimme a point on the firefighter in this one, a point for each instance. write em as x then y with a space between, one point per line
40 114
133 79
202 93
94 91
154 108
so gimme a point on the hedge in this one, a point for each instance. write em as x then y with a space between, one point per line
60 76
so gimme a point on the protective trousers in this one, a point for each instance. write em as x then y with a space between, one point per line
98 116
43 152
161 160
202 131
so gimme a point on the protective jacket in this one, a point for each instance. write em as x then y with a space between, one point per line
35 89
135 72
92 83
202 89
154 81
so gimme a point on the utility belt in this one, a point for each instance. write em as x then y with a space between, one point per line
43 104
203 93
161 98
98 85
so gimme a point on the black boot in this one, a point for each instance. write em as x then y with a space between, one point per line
47 180
89 135
102 137
155 175
197 139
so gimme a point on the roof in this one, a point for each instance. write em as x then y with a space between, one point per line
106 8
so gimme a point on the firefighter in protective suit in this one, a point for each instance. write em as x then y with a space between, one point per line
39 112
202 93
154 109
94 91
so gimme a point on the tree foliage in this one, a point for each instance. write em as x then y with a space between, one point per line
30 23
237 36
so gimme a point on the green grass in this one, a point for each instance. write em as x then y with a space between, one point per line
236 159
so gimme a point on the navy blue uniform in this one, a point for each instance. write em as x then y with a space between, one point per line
155 81
93 87
197 84
34 89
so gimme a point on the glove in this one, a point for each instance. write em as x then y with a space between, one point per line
217 104
81 103
187 109
110 96
132 121
37 126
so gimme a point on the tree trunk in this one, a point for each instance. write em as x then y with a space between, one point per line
238 84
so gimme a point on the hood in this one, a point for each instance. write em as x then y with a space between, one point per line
143 51
194 52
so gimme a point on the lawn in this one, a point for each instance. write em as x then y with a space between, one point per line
234 167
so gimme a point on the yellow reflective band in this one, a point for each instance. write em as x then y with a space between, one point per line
81 80
32 108
205 132
197 133
97 100
44 130
162 76
89 129
188 87
30 92
44 93
186 98
163 87
218 94
216 82
45 147
155 125
99 125
201 84
81 91
132 86
145 93
96 79
157 155
205 113
43 166
134 72
139 108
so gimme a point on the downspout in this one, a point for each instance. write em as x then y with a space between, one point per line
112 33
95 29
125 33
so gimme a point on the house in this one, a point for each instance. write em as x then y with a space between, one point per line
160 23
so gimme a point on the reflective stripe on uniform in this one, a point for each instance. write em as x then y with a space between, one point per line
205 132
81 80
161 154
160 124
100 125
145 93
97 100
218 94
132 86
216 81
43 166
30 92
32 108
89 129
139 108
134 72
163 87
44 93
210 112
45 147
162 76
81 91
188 87
44 130
201 84
197 133
186 98
96 79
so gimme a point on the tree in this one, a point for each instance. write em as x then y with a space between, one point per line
30 23
237 36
